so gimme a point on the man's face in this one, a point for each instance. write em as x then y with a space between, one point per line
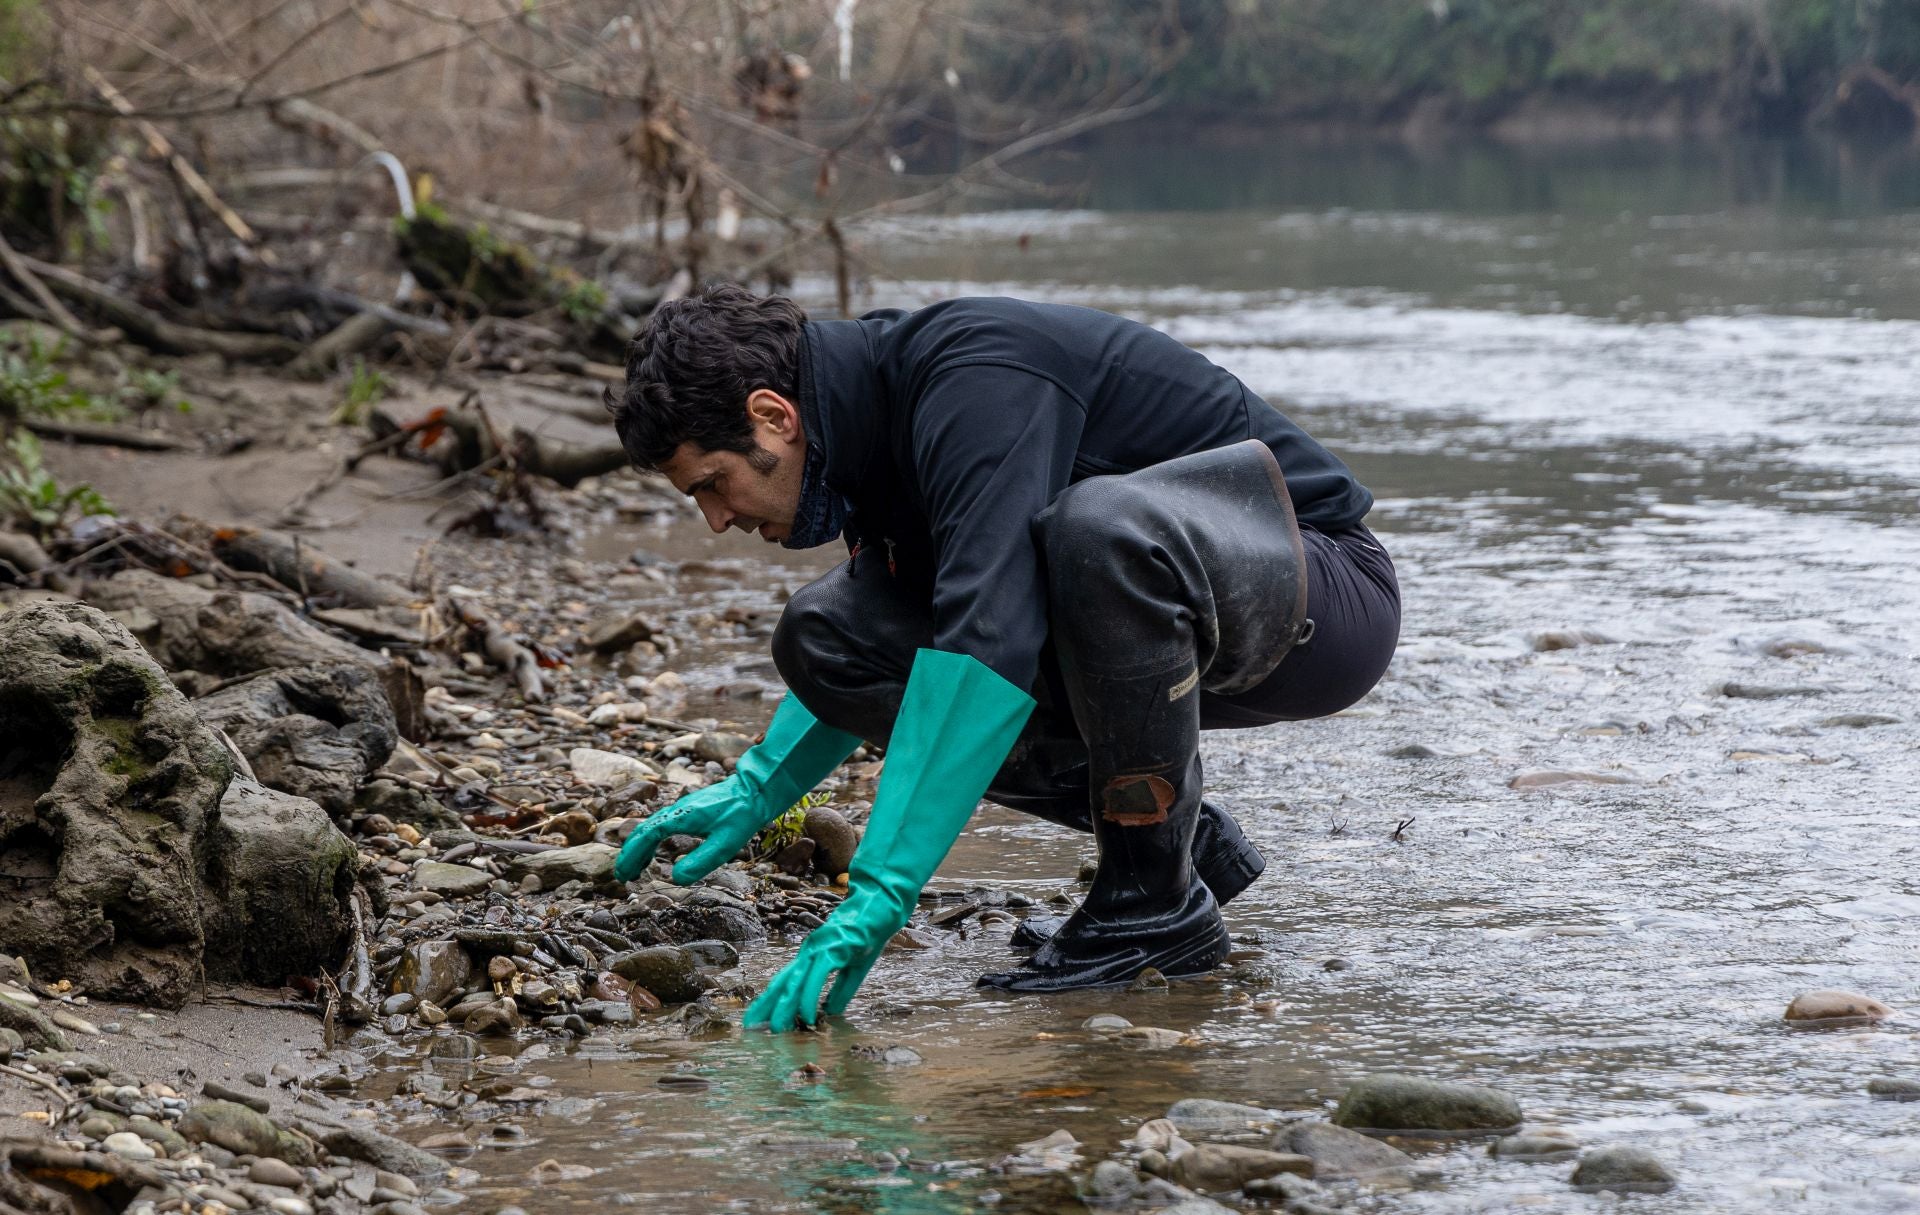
755 491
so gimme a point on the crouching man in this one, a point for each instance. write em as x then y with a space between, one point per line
1073 544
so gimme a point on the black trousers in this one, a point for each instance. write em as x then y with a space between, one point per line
845 646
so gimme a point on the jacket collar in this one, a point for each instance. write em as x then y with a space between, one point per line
843 399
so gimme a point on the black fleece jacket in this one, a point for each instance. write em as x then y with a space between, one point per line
951 427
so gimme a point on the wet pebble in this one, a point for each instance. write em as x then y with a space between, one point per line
1857 721
607 769
1622 1169
1894 1088
1105 1023
834 838
1148 979
500 1017
1148 1037
1756 691
269 1171
129 1145
399 1002
1196 1114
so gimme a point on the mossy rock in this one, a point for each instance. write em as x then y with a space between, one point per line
1390 1102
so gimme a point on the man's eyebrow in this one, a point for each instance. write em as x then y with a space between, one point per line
703 483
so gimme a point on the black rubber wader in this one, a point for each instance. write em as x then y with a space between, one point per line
1184 577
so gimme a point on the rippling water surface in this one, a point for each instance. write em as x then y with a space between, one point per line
1666 403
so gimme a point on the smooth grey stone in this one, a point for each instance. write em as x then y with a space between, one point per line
1623 1169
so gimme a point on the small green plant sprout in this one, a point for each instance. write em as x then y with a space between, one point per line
787 828
29 494
366 387
145 388
32 386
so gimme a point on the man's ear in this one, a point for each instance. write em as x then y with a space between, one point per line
768 408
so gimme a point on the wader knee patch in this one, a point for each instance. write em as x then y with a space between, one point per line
1136 801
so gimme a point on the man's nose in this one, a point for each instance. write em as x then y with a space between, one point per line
718 516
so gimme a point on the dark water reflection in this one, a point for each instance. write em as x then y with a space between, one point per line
1724 498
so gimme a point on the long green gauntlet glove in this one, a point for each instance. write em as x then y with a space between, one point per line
797 754
958 719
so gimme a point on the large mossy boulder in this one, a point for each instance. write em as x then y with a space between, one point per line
129 864
108 784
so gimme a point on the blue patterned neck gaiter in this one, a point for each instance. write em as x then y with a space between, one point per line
822 513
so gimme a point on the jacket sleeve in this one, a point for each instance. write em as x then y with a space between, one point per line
992 446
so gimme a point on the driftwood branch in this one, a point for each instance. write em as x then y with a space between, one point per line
56 311
163 149
106 436
503 651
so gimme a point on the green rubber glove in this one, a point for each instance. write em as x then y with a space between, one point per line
797 754
957 722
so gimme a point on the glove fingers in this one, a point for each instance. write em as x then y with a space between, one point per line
851 977
637 852
717 851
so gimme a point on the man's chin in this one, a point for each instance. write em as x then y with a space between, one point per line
772 533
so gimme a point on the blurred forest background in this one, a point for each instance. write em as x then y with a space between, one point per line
317 186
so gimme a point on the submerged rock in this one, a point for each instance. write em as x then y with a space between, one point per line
1836 1008
1390 1102
1217 1167
1894 1088
1339 1153
1534 1145
1623 1169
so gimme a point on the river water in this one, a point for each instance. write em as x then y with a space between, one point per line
1664 402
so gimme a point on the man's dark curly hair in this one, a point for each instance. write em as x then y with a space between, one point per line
690 370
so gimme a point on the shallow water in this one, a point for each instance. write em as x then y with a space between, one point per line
1719 481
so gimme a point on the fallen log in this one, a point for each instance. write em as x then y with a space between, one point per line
566 463
293 563
152 329
350 337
